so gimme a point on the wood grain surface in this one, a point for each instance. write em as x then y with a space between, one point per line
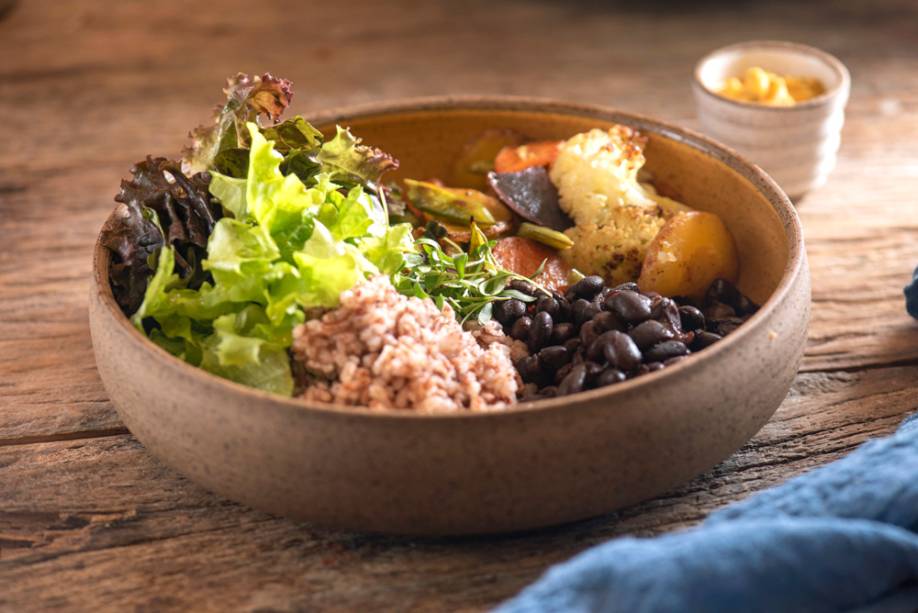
90 521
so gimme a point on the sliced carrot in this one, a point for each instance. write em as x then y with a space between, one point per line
515 159
524 256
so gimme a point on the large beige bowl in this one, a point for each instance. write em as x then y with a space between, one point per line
533 465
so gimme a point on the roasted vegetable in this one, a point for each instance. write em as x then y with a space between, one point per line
546 236
456 206
477 157
158 205
690 251
463 234
530 194
534 260
515 159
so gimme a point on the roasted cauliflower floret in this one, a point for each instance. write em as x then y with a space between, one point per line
616 247
616 215
596 171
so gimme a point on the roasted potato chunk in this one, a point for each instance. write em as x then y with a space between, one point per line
687 254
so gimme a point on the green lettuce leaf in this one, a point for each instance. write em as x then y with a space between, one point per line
387 252
351 163
230 191
246 359
293 134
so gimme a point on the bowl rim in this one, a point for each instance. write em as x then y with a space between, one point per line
763 183
835 64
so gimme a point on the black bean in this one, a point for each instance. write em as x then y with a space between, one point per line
654 366
583 311
691 317
549 392
674 360
529 368
744 306
514 308
728 325
548 304
610 376
593 370
540 331
665 350
621 352
667 311
561 332
605 320
704 339
521 327
629 306
553 357
564 310
629 286
722 290
588 333
574 380
596 349
507 311
719 310
649 333
572 345
562 372
523 286
587 287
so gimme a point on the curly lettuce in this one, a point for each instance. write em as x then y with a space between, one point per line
159 204
285 246
247 99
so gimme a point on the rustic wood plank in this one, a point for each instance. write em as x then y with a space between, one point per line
89 520
118 529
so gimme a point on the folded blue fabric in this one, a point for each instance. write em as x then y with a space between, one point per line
843 537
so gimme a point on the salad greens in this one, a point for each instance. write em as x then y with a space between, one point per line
159 205
247 98
283 247
217 259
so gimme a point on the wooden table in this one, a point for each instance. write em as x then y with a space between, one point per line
89 519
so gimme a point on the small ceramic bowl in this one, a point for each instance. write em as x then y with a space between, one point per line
535 464
797 145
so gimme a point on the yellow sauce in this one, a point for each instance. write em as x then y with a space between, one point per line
764 87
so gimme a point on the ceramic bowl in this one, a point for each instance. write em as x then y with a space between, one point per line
797 145
533 465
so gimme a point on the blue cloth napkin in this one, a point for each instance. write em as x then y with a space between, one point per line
843 537
911 295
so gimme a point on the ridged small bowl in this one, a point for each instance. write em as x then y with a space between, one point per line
534 464
797 145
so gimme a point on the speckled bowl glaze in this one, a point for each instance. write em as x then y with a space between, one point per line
797 145
533 465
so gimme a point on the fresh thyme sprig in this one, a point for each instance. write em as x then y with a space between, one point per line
470 282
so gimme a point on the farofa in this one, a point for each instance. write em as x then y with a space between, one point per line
382 350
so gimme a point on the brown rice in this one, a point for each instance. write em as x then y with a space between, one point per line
382 350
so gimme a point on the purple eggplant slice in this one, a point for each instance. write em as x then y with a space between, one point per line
530 194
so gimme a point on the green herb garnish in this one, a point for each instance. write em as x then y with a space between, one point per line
470 282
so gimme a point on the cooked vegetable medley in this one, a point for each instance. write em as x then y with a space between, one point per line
280 259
